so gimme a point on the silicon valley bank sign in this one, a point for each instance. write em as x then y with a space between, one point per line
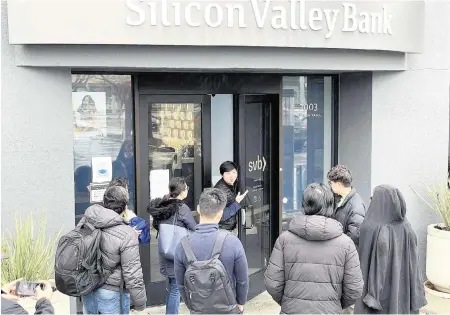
262 14
392 25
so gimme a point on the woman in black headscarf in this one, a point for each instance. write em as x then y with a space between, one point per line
393 282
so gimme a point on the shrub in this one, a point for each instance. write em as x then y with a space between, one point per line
439 202
30 252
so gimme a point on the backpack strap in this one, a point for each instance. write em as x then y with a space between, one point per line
188 250
220 239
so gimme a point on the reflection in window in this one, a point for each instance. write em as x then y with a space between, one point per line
103 128
307 137
175 151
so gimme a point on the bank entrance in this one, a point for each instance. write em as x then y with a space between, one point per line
187 125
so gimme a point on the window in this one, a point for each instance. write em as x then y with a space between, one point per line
307 132
103 136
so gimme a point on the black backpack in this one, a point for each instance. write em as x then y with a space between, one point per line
78 269
207 285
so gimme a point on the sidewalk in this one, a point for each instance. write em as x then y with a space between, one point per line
262 303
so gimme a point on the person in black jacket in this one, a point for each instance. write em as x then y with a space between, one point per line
229 185
43 304
350 209
165 211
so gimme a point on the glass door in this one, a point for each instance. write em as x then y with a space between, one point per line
174 141
258 174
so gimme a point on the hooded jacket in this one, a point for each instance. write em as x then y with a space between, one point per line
120 252
351 214
43 306
164 211
389 258
314 268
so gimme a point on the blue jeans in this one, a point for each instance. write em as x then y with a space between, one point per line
103 301
173 297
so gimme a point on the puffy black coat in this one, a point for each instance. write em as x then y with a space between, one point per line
351 215
163 211
230 190
43 306
314 268
119 245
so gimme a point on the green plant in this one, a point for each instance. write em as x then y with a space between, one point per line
30 252
439 196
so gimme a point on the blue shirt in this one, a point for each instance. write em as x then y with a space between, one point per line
141 225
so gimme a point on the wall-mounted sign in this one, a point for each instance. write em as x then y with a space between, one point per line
257 165
357 24
97 191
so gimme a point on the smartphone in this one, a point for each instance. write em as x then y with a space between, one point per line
27 288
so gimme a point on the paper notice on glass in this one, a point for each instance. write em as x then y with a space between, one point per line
97 191
159 183
101 169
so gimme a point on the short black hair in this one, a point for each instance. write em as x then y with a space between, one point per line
176 186
340 174
116 198
227 166
318 199
212 201
119 181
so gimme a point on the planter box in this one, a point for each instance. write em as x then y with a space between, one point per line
438 258
438 302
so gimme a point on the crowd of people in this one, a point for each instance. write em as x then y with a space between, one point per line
336 255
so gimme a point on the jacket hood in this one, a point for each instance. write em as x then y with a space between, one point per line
162 209
101 218
315 227
387 205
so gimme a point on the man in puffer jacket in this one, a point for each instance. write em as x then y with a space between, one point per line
120 252
350 209
314 267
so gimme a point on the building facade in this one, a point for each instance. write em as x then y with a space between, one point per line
154 89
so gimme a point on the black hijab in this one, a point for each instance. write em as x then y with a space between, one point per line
393 282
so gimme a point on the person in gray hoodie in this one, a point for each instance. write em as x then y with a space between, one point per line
120 252
314 267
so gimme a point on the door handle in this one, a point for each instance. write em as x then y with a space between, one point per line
244 218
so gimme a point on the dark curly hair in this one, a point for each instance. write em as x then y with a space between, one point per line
340 174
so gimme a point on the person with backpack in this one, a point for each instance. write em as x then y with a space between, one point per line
99 260
211 268
141 226
171 210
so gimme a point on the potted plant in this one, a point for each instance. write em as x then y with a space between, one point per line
437 287
30 253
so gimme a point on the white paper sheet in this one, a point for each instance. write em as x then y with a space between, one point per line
97 191
101 169
159 183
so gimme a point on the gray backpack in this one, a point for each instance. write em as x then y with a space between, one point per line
78 269
207 285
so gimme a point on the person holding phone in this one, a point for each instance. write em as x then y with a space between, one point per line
42 292
229 185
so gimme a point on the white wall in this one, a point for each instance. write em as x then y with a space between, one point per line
221 132
37 140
